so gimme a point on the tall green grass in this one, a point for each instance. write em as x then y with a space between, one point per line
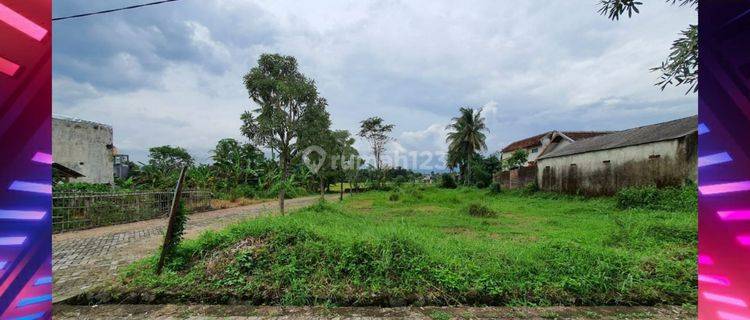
425 249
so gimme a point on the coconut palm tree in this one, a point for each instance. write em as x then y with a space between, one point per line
465 139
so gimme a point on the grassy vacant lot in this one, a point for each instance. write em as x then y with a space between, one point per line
421 246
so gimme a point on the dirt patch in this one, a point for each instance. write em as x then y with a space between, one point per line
460 231
219 260
268 312
362 205
224 204
430 209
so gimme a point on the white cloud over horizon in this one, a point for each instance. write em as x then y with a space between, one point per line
172 74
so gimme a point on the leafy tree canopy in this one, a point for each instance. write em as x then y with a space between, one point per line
168 158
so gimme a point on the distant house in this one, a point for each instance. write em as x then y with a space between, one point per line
82 150
546 142
661 154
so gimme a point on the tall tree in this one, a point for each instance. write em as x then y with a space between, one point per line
465 139
681 65
315 131
345 156
376 132
283 95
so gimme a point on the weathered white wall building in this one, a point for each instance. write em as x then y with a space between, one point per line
662 154
85 147
541 144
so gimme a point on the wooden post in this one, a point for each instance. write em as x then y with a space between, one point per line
172 219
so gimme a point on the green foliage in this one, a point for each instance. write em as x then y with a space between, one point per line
81 187
517 159
480 210
495 188
440 315
236 163
284 96
483 169
168 158
367 250
447 181
394 196
465 139
681 66
530 188
178 230
650 197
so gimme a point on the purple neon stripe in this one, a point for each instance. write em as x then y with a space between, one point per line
42 157
714 159
734 215
11 241
42 281
725 187
702 129
34 300
31 187
21 215
33 316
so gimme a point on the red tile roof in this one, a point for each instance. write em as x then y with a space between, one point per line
535 140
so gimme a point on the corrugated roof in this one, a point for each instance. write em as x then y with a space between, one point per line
652 133
536 140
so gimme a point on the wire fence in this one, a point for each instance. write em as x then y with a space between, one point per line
83 210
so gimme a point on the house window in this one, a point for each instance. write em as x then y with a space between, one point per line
654 156
572 165
606 162
535 150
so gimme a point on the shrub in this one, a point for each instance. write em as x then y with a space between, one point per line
530 188
683 198
480 210
495 188
447 181
394 196
321 206
415 193
81 187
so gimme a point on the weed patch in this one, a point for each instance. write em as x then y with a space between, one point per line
480 210
652 198
366 250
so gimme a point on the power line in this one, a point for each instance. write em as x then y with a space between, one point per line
112 10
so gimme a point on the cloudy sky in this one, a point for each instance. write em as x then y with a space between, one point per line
172 73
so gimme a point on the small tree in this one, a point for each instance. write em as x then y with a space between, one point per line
517 159
344 152
376 133
284 95
168 158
